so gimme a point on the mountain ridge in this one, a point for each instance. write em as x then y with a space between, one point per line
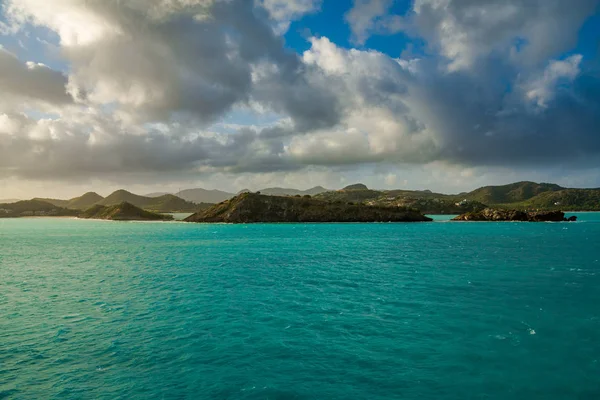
517 195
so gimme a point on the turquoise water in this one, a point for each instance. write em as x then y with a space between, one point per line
105 310
441 217
180 216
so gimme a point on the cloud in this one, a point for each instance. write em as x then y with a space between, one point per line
408 112
285 11
30 82
542 90
192 57
372 16
528 31
149 87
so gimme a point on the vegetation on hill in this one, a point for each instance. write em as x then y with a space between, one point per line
512 193
33 208
519 195
434 205
490 214
566 200
253 207
77 203
426 201
356 186
123 212
54 202
85 201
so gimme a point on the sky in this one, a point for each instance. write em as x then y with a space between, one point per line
161 95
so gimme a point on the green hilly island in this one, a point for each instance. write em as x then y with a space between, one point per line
254 207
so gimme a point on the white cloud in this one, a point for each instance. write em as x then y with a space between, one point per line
542 90
285 11
372 16
528 31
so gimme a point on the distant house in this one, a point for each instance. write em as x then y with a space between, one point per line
462 203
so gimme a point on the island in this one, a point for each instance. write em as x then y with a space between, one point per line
492 214
123 212
256 207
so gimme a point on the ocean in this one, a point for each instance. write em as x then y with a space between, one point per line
440 310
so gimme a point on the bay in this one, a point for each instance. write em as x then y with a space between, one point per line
441 310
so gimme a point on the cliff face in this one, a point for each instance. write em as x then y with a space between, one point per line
490 214
123 212
252 207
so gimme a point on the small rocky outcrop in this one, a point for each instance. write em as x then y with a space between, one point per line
254 207
493 214
123 212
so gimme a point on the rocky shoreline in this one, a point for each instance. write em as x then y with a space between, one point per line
492 214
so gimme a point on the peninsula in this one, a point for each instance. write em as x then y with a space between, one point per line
255 207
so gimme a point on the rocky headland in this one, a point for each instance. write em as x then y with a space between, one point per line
493 214
255 207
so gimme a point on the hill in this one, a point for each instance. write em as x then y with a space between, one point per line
33 208
356 186
566 200
204 196
123 212
252 207
433 205
512 193
519 195
85 201
54 202
165 203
